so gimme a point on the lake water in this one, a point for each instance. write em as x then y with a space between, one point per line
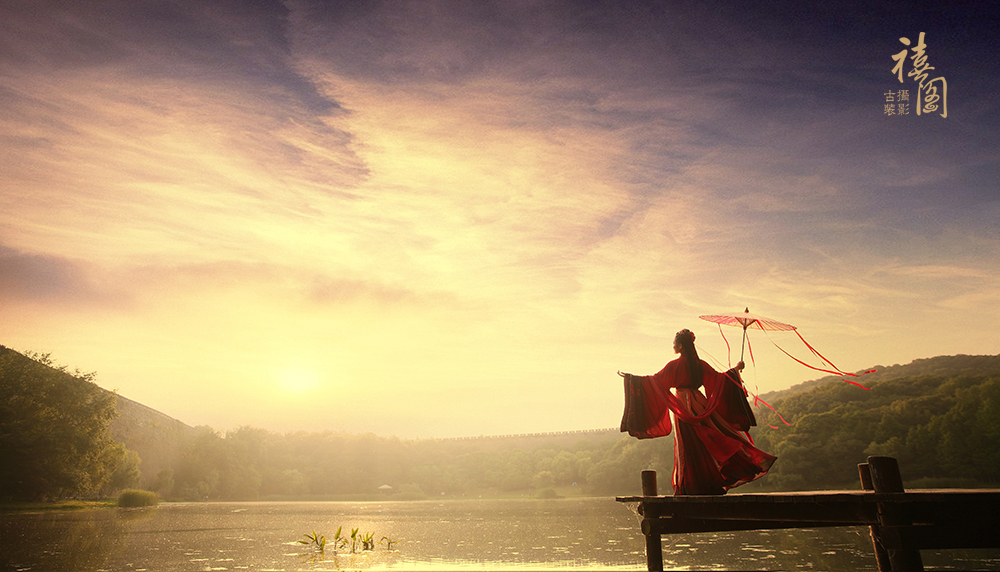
559 534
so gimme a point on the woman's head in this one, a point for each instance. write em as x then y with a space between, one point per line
684 342
684 345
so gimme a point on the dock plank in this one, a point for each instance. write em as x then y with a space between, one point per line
940 518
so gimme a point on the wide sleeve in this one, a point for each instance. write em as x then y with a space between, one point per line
646 408
732 403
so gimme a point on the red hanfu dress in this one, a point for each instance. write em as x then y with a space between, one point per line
712 450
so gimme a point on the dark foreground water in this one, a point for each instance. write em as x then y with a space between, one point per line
595 533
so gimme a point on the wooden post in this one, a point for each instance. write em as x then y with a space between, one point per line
654 548
648 483
886 479
881 556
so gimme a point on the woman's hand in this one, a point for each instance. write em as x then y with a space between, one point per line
740 366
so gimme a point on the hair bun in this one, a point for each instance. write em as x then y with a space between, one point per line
686 333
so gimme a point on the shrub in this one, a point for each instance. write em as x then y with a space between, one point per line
134 497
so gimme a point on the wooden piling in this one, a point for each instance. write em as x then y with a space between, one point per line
648 483
649 525
881 555
886 478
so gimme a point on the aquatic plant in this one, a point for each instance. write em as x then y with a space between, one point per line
317 540
367 541
135 497
339 541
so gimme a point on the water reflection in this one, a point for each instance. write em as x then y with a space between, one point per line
451 535
78 540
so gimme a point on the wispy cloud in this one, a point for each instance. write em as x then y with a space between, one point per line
457 200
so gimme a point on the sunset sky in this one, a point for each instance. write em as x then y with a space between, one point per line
445 219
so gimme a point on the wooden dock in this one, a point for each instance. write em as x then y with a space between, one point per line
901 522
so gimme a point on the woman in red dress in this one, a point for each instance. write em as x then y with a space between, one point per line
713 450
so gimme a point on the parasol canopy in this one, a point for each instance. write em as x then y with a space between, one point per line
746 320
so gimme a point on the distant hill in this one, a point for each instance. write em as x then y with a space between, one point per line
156 437
949 366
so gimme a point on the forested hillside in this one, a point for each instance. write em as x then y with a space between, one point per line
940 417
54 437
948 366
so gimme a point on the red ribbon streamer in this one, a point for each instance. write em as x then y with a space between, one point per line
759 400
837 371
813 350
729 350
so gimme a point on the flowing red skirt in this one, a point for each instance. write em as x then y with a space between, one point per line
710 457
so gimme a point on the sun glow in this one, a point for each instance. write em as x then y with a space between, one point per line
298 380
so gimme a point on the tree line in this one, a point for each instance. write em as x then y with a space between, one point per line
251 463
939 417
56 442
943 428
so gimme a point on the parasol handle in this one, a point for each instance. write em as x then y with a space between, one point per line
744 344
745 324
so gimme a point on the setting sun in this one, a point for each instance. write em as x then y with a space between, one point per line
298 380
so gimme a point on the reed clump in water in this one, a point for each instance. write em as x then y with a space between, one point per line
135 497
